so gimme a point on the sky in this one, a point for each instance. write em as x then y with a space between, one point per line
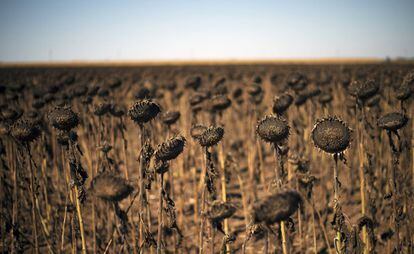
91 30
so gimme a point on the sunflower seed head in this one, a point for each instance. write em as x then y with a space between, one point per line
257 79
220 210
273 129
220 80
63 118
312 92
219 103
277 207
170 149
373 101
170 117
297 81
195 102
392 121
142 94
25 131
331 135
257 99
365 221
364 90
403 92
143 111
220 88
325 98
117 111
254 89
282 103
301 99
193 82
110 187
211 136
11 114
102 108
161 167
197 130
237 93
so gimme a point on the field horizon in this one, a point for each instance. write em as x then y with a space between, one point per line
208 62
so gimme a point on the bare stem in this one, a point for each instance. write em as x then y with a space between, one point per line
79 211
284 243
336 201
160 222
362 185
203 204
142 202
224 191
32 192
395 192
278 170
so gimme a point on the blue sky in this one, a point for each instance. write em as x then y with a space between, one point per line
186 30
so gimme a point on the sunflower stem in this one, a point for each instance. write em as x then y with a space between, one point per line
337 203
160 222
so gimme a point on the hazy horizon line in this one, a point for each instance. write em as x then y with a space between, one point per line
218 61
